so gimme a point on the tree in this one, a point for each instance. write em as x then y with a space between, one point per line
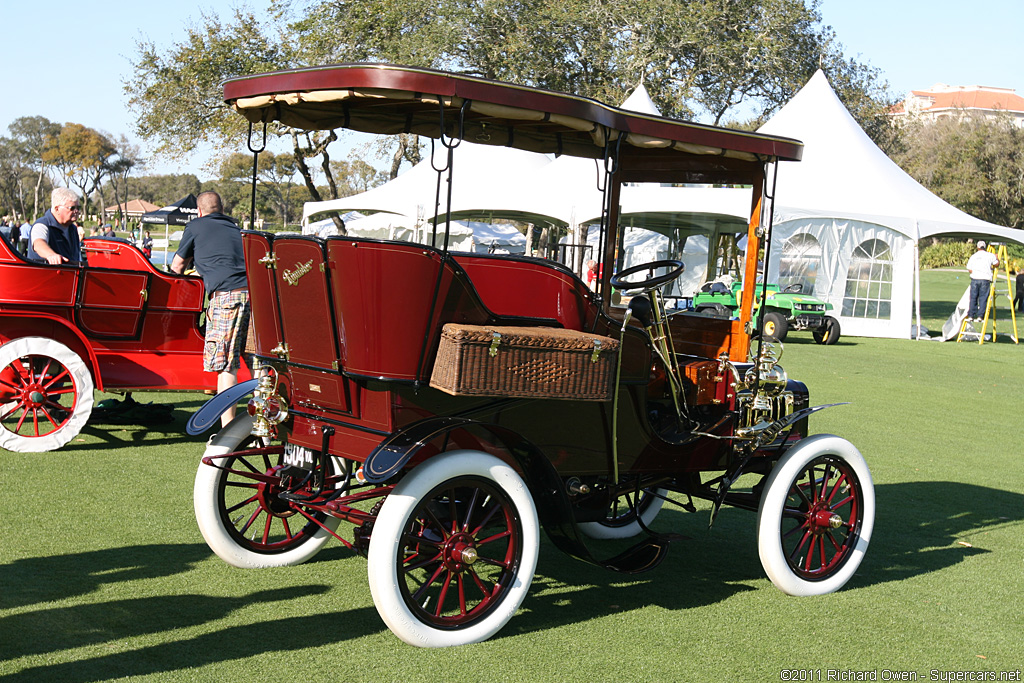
12 170
276 173
975 164
31 135
356 175
126 158
719 59
80 155
165 189
186 84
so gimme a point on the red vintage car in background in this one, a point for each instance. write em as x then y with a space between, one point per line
115 324
449 405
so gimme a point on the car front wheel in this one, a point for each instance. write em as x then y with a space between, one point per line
816 515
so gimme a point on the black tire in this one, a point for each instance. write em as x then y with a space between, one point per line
828 333
775 326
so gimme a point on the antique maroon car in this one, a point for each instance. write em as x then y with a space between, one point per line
116 324
449 405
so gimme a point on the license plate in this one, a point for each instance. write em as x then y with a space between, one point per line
298 456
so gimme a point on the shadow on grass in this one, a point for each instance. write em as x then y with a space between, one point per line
65 628
227 644
41 579
801 339
937 310
922 527
917 529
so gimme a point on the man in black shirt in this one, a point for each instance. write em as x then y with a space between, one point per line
214 242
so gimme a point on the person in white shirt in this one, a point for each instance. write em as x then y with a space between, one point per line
981 266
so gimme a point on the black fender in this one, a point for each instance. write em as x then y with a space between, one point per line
549 495
207 415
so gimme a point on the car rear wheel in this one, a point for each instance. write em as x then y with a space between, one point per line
238 509
828 333
453 550
816 516
45 395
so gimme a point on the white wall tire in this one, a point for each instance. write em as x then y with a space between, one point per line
235 519
621 520
47 395
816 516
458 485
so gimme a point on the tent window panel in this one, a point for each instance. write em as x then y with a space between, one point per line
869 281
801 259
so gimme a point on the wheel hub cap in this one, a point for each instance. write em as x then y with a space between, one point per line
460 552
269 498
469 556
825 519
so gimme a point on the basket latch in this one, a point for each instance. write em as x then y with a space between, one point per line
495 340
597 351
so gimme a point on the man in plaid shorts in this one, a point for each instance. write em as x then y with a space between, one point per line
214 242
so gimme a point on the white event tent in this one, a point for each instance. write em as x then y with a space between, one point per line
848 219
413 195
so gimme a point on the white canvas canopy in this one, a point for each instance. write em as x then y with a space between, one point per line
848 219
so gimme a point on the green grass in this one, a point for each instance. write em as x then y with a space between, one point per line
104 575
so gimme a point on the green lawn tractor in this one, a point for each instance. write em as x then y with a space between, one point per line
785 310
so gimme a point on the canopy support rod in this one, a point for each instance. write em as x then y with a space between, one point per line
255 160
758 329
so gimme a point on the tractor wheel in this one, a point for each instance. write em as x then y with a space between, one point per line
828 333
775 326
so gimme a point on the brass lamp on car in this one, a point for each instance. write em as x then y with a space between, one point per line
266 406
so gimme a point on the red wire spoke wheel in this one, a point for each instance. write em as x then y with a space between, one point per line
453 550
46 395
239 511
816 516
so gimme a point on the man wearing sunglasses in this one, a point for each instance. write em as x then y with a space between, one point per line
54 237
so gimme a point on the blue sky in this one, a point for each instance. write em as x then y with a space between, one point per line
66 61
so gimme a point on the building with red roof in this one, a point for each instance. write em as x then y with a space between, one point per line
943 100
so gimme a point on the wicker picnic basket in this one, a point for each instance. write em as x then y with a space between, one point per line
537 362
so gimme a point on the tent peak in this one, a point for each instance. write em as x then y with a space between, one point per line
640 101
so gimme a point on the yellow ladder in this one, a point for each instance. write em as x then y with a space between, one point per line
990 305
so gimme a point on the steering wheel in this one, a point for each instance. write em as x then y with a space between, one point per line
676 269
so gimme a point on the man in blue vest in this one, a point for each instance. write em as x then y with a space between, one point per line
54 237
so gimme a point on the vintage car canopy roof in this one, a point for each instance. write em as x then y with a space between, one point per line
388 99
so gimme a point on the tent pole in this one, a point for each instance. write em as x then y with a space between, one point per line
917 276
